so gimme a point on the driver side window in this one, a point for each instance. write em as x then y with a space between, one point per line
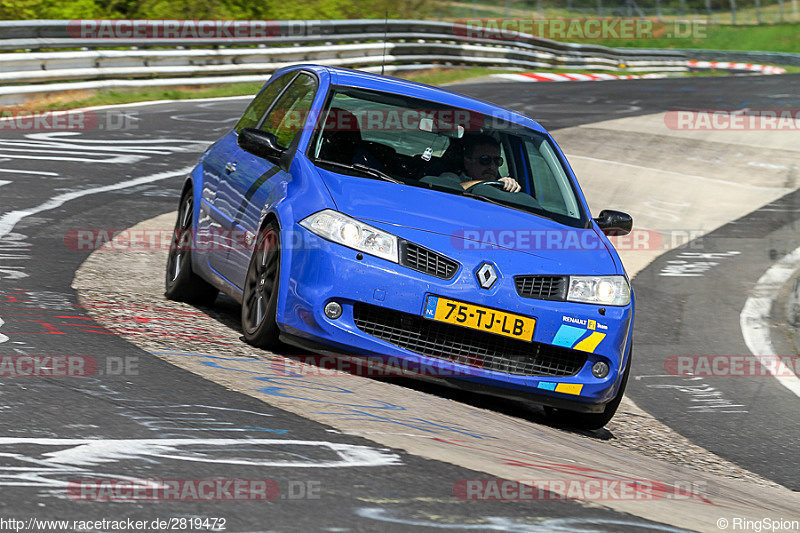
252 115
287 117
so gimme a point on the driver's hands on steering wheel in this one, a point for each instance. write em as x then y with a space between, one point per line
510 184
507 183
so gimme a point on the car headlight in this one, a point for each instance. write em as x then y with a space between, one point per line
601 290
342 229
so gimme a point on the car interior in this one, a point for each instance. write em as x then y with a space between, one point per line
345 143
355 133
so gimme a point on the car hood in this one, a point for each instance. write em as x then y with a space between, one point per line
469 224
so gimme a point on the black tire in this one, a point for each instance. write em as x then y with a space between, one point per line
181 283
589 421
260 298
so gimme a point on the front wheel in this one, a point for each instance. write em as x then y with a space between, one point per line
181 283
578 420
260 298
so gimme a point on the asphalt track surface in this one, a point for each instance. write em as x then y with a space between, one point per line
160 401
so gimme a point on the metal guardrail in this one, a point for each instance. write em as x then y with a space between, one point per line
777 58
44 51
38 34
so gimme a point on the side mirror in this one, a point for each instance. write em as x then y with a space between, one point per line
260 143
614 222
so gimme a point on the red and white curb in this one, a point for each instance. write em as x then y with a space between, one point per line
569 76
724 65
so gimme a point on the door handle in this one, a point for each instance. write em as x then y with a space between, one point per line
230 167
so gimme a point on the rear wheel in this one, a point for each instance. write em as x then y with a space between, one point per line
182 284
260 298
578 420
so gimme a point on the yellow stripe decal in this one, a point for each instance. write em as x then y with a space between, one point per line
590 343
569 388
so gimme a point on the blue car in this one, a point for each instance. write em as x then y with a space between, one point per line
362 215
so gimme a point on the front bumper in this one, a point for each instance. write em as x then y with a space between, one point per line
319 271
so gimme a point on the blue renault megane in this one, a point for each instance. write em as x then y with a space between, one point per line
364 215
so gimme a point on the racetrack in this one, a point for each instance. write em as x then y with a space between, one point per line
414 443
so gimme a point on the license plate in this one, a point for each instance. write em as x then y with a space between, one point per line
479 318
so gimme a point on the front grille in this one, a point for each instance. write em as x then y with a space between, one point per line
465 346
542 287
427 261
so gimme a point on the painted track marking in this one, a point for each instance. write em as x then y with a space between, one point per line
754 318
9 220
34 172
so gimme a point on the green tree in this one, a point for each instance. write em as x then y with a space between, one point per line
212 9
48 9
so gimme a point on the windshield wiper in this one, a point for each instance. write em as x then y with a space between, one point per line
461 192
486 199
372 172
518 207
375 172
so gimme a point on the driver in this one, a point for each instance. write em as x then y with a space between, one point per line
481 162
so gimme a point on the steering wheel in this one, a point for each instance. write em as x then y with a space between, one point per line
493 183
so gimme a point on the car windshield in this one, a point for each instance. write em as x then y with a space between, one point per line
378 135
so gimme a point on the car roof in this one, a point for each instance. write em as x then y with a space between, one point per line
366 80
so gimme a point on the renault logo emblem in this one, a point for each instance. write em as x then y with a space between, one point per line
486 276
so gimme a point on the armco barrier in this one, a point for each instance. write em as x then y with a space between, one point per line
776 58
40 52
34 55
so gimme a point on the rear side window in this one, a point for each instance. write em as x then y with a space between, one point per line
255 111
287 117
